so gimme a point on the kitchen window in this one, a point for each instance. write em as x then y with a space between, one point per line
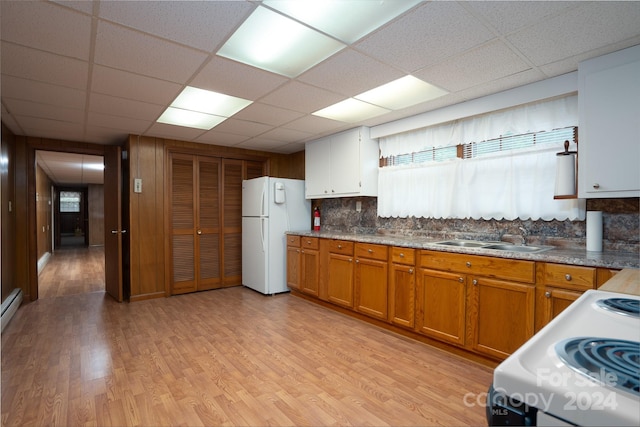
442 172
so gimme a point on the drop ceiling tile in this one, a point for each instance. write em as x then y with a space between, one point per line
435 31
577 31
51 112
127 85
509 16
122 107
267 114
286 135
128 50
317 125
301 97
79 5
294 147
505 83
242 127
236 79
161 130
349 73
47 128
42 66
100 135
126 124
43 93
202 25
262 144
215 137
46 26
482 64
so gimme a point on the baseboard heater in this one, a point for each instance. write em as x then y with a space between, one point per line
10 305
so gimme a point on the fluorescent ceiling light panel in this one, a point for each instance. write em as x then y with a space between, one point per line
190 119
275 43
349 20
351 111
402 93
201 109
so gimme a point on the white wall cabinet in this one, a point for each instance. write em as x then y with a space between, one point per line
609 143
342 165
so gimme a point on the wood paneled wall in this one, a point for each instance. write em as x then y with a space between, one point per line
44 205
7 216
148 215
96 215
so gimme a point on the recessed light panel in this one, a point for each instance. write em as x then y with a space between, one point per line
351 111
275 43
201 109
402 93
346 20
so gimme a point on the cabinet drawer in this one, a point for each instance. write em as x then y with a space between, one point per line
371 251
403 256
570 276
309 242
501 268
293 241
341 247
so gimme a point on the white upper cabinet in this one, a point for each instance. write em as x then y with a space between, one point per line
342 165
609 126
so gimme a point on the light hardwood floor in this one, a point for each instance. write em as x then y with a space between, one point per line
74 270
224 357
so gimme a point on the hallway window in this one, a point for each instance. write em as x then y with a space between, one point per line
70 201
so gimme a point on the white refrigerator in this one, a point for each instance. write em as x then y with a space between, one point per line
270 207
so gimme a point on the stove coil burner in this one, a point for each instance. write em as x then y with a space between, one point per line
626 306
609 361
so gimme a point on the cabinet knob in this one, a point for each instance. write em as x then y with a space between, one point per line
547 294
401 255
339 246
460 279
370 251
475 282
468 264
411 271
298 250
568 277
357 261
596 185
350 259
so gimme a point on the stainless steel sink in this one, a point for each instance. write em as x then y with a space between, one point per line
463 243
513 248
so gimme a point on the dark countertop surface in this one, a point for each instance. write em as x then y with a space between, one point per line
560 255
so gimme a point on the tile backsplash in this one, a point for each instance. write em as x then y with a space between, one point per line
621 224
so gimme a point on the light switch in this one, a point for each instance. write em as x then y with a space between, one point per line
137 185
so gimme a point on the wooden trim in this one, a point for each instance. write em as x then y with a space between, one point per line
154 295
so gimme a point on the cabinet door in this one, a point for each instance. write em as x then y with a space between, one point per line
309 271
340 283
317 168
345 163
293 267
556 300
371 287
402 295
609 131
500 316
441 305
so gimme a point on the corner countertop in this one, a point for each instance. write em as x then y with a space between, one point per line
605 259
626 282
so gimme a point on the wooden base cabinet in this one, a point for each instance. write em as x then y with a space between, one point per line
371 280
340 273
293 262
441 301
500 315
309 266
402 287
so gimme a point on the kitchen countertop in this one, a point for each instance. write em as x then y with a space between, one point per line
605 259
626 282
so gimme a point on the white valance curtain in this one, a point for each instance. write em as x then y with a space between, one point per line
518 184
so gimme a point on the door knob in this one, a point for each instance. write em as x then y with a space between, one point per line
199 232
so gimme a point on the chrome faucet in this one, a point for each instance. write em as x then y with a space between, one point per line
525 233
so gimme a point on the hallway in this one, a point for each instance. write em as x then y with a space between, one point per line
72 271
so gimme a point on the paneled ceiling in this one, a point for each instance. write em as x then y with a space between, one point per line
96 71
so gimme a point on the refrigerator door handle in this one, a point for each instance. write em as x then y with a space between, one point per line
262 224
264 190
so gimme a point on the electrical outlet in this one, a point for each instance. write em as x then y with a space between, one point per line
137 185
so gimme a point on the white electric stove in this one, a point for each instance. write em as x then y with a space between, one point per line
583 368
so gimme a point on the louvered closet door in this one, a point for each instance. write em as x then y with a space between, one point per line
208 222
182 217
232 220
